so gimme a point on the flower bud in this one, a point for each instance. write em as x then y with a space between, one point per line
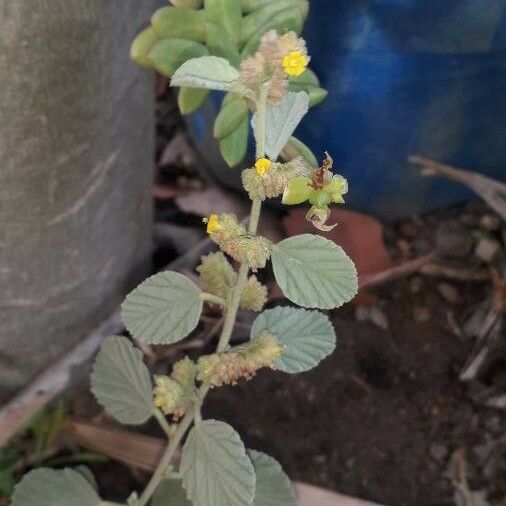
184 372
318 216
227 368
251 250
216 274
170 396
254 295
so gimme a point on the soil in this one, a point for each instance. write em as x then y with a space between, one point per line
380 418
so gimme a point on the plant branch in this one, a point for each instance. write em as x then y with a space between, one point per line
163 422
230 315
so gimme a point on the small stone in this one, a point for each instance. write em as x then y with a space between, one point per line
453 240
421 314
438 451
448 292
486 249
379 318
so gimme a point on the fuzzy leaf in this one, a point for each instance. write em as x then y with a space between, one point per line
170 493
314 272
167 55
233 147
273 486
215 468
179 22
163 309
48 487
308 336
208 72
227 14
190 99
281 122
121 382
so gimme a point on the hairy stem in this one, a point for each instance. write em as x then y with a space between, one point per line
163 422
230 315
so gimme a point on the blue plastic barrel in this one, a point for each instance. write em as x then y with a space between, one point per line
404 77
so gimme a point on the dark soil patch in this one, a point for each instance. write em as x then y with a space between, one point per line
380 418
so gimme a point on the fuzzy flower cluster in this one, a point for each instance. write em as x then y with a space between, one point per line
219 278
278 58
173 394
243 362
269 179
234 240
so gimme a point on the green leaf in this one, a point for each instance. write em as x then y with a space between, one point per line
191 4
163 309
227 14
8 460
314 272
220 44
48 487
251 5
282 120
294 148
215 468
121 382
208 72
230 117
306 79
233 147
170 493
191 99
308 336
168 55
273 487
316 94
142 45
179 22
261 17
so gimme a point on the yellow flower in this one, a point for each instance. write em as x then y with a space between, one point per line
295 63
262 166
213 223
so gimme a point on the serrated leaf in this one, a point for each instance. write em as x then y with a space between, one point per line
227 14
121 382
215 468
230 117
190 99
170 493
209 72
308 336
281 121
233 147
179 22
273 487
314 272
48 487
167 55
163 309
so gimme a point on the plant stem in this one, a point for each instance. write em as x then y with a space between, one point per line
214 299
165 460
163 422
230 315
